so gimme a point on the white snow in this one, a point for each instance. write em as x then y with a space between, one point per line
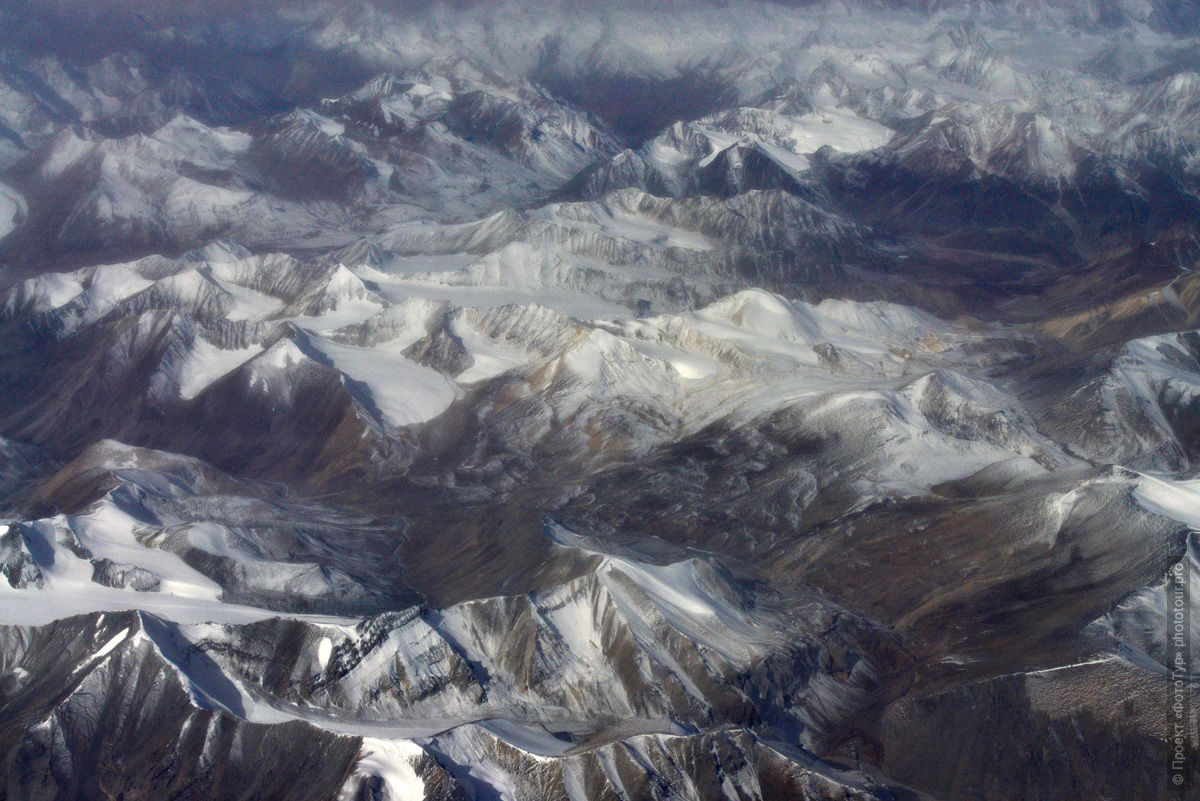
490 358
38 607
392 761
273 364
403 391
211 538
109 532
324 651
671 586
12 209
111 645
533 739
1175 499
206 363
838 128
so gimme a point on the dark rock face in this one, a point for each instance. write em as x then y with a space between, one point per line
122 724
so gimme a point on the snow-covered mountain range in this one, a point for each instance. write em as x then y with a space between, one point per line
639 400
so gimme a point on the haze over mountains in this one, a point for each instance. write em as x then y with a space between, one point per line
656 400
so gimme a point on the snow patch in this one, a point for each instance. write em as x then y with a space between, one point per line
392 761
